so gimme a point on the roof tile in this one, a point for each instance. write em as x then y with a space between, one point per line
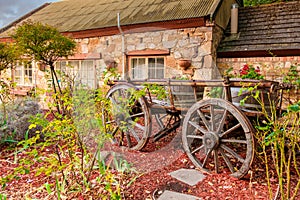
77 15
274 26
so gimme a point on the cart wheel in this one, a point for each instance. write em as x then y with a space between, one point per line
217 136
128 119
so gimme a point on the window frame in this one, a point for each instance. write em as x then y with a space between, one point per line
77 71
145 74
24 68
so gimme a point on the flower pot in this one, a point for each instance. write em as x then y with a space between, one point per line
184 63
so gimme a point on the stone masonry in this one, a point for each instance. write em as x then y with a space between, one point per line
195 44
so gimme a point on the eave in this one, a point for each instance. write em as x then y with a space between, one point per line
259 53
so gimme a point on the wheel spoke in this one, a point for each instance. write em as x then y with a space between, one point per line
206 157
134 134
222 122
233 153
137 115
113 100
197 149
124 94
212 114
216 160
202 130
234 141
227 161
111 122
159 119
195 137
135 124
203 119
129 144
230 130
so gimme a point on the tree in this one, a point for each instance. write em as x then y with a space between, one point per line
8 55
45 44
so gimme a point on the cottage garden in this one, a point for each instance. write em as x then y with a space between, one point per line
57 151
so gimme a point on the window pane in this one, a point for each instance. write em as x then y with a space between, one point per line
156 68
23 74
139 70
18 74
151 68
87 73
63 67
160 68
28 74
148 67
73 67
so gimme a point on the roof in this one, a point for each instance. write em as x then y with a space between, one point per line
264 31
76 15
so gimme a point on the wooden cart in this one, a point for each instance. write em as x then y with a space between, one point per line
217 131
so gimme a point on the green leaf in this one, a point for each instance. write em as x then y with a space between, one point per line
48 187
294 108
242 102
263 128
256 96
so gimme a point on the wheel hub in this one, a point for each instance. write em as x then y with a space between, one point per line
210 141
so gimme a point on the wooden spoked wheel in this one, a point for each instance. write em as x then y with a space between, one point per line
217 136
128 117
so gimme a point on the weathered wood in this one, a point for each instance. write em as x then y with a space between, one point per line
216 134
128 122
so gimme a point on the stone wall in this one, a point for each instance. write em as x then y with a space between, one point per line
195 44
273 68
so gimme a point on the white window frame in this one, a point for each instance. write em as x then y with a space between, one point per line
23 78
77 72
142 68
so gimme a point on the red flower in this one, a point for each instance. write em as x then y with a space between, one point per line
243 72
245 67
257 69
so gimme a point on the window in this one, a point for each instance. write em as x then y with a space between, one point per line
83 72
23 74
147 67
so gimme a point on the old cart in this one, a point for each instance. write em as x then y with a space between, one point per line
217 132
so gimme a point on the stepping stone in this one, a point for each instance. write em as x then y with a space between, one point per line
188 176
170 195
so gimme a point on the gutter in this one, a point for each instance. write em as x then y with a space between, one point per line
123 46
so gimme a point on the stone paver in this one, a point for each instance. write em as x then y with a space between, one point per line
188 176
170 195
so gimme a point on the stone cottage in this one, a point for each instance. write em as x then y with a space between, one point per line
143 39
149 39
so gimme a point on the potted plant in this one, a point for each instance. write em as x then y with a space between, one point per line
184 63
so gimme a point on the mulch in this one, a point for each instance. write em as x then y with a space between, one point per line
152 166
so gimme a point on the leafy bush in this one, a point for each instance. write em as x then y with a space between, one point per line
279 140
74 139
